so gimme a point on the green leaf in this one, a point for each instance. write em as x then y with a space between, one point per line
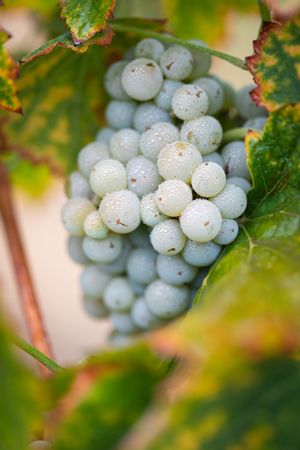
87 17
8 73
63 99
106 397
275 65
270 228
19 393
251 407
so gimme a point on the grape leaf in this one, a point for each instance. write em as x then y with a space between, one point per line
85 18
275 65
105 397
62 96
8 73
242 387
250 407
19 393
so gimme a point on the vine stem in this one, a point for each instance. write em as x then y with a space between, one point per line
235 134
264 11
174 40
36 354
27 293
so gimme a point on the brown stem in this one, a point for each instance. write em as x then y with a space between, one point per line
35 160
22 273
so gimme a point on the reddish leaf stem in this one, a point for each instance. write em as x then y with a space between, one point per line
22 273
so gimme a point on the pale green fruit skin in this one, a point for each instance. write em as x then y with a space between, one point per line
189 102
167 237
113 82
175 270
73 214
94 307
141 265
108 176
120 211
232 201
90 155
215 93
118 295
93 281
94 226
228 232
166 301
172 196
74 246
178 160
142 317
201 220
119 114
201 254
176 63
123 323
142 79
205 133
208 179
105 250
149 48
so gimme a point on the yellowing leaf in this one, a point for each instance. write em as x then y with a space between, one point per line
62 96
275 65
87 17
102 400
8 72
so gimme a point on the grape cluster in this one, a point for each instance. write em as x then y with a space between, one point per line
156 195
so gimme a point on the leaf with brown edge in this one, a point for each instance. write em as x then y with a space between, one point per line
64 40
85 18
275 65
8 73
102 398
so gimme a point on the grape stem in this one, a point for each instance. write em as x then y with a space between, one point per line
36 354
236 134
177 41
264 11
25 285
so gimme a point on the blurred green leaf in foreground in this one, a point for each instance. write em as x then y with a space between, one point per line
20 395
